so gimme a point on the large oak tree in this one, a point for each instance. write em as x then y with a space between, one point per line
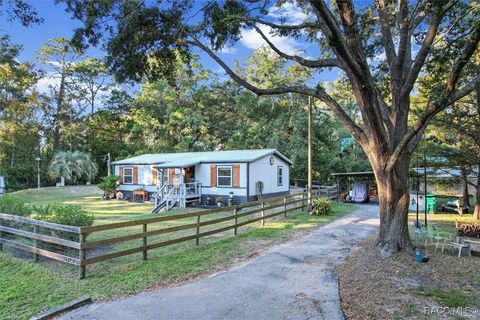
381 47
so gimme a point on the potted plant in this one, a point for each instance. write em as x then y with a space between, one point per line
219 201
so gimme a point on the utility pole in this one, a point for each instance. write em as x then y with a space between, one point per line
309 190
109 159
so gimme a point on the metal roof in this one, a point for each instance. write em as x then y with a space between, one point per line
353 174
185 159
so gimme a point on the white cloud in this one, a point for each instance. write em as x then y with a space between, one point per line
290 12
227 50
253 40
43 85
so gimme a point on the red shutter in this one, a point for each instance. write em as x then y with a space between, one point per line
120 174
236 175
170 175
135 175
154 176
213 175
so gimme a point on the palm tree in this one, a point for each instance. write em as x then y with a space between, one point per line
73 166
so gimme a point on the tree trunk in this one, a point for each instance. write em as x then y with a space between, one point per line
394 197
465 196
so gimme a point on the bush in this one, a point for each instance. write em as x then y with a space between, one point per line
321 207
469 230
11 204
70 215
108 184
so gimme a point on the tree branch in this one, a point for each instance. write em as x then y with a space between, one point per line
466 53
335 37
318 92
386 32
414 134
320 63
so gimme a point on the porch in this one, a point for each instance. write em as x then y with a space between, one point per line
176 186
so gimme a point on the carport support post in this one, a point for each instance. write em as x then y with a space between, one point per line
81 256
310 169
144 242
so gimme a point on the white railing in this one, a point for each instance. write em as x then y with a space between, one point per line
177 193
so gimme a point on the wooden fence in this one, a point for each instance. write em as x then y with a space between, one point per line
40 232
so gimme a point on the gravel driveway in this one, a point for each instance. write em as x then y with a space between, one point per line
292 281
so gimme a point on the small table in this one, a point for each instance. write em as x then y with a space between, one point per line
142 193
460 247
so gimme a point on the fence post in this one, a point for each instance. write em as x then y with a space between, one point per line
144 242
285 205
35 244
81 256
1 243
236 221
198 230
263 214
303 201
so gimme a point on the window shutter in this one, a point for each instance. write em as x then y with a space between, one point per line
120 174
154 176
236 176
135 175
213 175
171 173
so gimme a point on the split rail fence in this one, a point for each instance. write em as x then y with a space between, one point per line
28 234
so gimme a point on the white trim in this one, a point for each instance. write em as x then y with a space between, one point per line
279 183
231 176
124 175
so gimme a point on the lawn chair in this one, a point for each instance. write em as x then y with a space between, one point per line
435 235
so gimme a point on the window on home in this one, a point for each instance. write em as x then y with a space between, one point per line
280 176
224 176
127 175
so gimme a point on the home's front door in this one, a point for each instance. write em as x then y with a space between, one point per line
162 176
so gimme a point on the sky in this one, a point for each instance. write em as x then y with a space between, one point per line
58 23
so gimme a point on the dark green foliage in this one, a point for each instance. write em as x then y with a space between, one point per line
322 207
108 183
57 212
70 215
10 204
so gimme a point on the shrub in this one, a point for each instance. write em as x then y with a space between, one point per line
321 207
11 204
108 184
469 230
70 215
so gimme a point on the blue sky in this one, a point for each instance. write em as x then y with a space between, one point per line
57 23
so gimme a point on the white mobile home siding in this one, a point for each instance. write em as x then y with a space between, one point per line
144 178
202 174
261 170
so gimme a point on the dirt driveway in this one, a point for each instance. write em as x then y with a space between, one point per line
292 281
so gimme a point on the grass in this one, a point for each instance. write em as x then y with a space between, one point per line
444 221
29 288
448 298
89 197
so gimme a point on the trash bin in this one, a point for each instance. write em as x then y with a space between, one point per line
431 203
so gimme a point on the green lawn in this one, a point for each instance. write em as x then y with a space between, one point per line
89 197
28 288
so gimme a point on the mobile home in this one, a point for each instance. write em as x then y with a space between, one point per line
180 178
